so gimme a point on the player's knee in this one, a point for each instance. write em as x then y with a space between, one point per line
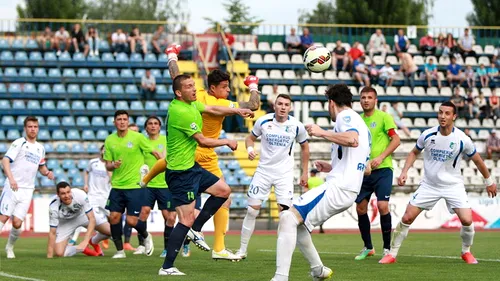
283 207
227 204
170 218
187 220
383 207
466 221
252 213
407 219
115 218
17 224
361 208
224 191
131 220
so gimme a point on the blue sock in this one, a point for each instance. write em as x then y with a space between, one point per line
386 225
211 206
141 228
127 232
364 228
166 234
174 244
116 234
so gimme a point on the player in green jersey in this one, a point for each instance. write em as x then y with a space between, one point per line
383 143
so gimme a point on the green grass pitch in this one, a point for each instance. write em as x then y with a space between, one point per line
423 256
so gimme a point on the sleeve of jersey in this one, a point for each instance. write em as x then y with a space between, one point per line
145 145
14 149
301 134
257 128
420 145
107 152
469 147
84 200
53 218
344 124
186 125
389 125
200 106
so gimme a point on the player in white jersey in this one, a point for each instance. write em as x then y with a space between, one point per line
444 147
68 211
350 156
278 132
22 161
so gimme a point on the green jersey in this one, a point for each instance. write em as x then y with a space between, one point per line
130 149
379 124
183 121
314 182
159 145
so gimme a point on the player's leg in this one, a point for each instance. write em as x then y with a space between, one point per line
7 205
64 232
169 216
22 201
149 197
127 234
364 222
306 246
103 230
75 236
186 249
383 189
135 199
159 167
116 206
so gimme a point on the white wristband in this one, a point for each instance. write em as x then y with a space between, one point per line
250 149
253 87
172 57
488 181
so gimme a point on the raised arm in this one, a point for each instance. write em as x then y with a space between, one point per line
226 111
252 82
172 51
209 142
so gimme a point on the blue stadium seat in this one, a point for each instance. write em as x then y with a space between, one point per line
53 164
41 120
73 89
59 89
58 173
240 174
2 181
104 46
97 73
232 181
233 165
161 90
107 105
107 57
150 58
17 44
53 121
8 120
101 135
131 90
73 173
88 89
20 121
77 148
136 105
102 89
83 73
13 134
25 72
156 73
3 146
141 120
49 56
73 134
43 135
67 120
4 44
3 89
6 55
122 57
63 105
44 89
49 148
58 135
31 44
93 58
122 105
109 121
68 164
33 104
46 183
4 104
93 148
163 58
93 105
10 72
88 135
21 56
69 72
117 89
29 88
48 105
15 88
82 121
166 73
40 72
112 73
54 72
97 121
35 56
65 57
135 57
77 105
77 181
18 104
164 105
151 105
139 72
78 57
82 164
126 73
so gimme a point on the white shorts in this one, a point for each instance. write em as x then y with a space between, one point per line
261 184
323 202
66 228
16 203
99 205
425 197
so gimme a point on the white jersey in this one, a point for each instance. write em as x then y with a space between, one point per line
442 156
99 185
25 159
60 212
348 163
276 149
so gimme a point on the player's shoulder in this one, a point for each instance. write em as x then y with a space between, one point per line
54 203
162 138
382 114
94 160
265 118
459 133
19 142
430 132
78 194
295 121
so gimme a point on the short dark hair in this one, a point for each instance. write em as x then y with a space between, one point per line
450 104
151 117
120 112
61 185
340 94
285 96
216 77
176 84
30 119
368 89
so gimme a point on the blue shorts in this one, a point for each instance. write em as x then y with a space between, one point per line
132 199
161 196
186 185
380 182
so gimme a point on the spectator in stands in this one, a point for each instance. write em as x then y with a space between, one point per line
459 102
340 59
470 76
465 44
373 72
472 110
62 38
397 115
494 105
78 40
46 40
93 40
440 44
431 72
136 39
496 56
401 42
492 72
293 41
271 98
492 144
361 72
451 47
355 53
454 73
119 41
377 44
384 108
386 75
482 104
467 133
148 85
427 45
306 39
483 76
159 39
408 68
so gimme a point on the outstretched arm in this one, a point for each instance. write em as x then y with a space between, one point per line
253 103
226 111
172 51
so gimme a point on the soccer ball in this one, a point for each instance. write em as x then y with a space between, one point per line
317 59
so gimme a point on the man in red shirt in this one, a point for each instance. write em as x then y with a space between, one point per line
355 53
427 44
495 105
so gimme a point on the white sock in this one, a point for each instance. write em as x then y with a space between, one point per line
98 237
77 233
14 234
399 235
71 251
287 239
467 234
248 227
307 248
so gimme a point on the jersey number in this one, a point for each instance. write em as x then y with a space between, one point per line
190 195
253 189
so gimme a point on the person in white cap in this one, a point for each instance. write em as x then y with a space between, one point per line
492 144
427 44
